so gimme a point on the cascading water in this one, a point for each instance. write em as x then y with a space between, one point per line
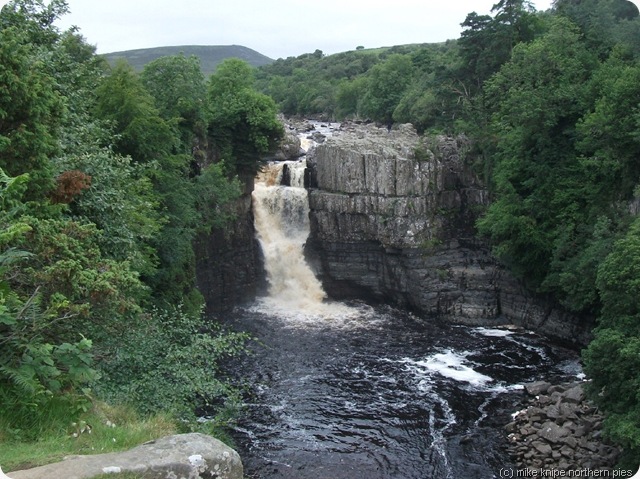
282 222
353 391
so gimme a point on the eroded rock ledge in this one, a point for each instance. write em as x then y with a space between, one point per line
393 219
183 456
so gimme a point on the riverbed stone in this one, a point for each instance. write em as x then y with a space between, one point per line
542 448
537 387
553 411
570 436
183 456
574 395
552 432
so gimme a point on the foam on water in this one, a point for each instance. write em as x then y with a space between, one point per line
302 311
496 333
450 364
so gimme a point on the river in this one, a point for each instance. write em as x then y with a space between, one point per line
351 390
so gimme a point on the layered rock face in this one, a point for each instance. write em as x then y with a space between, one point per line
392 219
229 266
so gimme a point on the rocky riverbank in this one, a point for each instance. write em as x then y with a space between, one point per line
559 429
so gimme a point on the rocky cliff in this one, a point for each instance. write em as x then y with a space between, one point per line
392 219
229 266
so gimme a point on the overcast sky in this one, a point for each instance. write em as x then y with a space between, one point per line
275 28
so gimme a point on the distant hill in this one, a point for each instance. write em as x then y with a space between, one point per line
210 55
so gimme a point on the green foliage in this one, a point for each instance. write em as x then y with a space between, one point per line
386 86
121 202
119 182
164 132
136 166
68 268
612 360
122 100
604 23
178 87
30 106
608 135
243 124
168 361
540 95
315 84
112 428
38 375
214 193
563 163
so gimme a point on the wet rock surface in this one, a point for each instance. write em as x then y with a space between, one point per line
229 267
559 429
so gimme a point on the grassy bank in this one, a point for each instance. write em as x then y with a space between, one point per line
103 429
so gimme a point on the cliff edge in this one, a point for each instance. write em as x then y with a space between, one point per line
393 219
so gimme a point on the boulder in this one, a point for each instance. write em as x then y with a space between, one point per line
537 387
552 432
574 395
183 456
290 147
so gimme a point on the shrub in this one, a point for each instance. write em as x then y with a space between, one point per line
168 361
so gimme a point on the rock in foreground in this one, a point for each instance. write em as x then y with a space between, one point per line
184 456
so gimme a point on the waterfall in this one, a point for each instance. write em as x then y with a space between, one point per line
281 215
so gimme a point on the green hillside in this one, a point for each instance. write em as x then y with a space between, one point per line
210 55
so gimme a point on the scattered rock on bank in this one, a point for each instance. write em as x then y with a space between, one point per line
560 429
192 456
290 147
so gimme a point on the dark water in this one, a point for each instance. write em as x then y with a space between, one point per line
377 393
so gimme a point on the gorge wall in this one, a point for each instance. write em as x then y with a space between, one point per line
229 266
229 262
392 219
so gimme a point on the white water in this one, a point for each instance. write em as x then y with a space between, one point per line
282 223
281 218
343 389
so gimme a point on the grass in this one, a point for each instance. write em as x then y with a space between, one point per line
130 430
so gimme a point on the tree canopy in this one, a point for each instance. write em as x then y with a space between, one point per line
106 176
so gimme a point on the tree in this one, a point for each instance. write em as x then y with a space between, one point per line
387 83
122 100
30 107
612 360
540 95
243 124
178 87
604 23
608 135
486 42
